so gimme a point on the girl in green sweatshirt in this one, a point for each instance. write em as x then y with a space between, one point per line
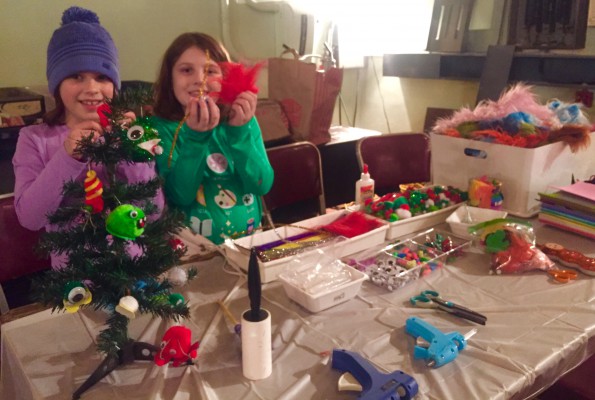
214 163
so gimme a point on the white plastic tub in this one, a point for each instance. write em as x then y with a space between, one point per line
323 299
466 216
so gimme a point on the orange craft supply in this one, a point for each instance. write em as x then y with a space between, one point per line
93 192
569 258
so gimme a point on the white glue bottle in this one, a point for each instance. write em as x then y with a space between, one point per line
364 188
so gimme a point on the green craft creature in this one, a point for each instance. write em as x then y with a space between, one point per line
142 140
126 222
497 241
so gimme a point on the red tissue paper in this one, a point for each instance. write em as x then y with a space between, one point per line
351 225
237 78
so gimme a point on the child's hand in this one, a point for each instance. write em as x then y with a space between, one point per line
203 114
127 118
242 109
79 131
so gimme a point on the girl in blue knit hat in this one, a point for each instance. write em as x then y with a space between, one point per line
214 163
82 72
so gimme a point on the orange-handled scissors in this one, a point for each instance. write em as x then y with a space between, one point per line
562 275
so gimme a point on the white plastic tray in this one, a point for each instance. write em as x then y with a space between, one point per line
325 299
237 252
406 226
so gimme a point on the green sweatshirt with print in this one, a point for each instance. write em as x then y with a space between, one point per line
215 177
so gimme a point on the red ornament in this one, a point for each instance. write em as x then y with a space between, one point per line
104 111
237 78
177 347
177 244
93 192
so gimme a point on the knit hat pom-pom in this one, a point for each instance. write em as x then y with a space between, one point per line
78 14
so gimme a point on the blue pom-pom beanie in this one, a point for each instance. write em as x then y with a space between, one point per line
81 44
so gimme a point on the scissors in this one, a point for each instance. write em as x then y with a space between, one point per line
562 275
432 299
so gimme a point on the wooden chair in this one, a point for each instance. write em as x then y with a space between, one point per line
297 192
18 258
394 159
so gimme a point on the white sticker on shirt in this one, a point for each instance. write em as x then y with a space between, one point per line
225 198
248 199
204 227
217 162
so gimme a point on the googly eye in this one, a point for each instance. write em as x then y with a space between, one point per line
76 295
163 344
135 132
133 214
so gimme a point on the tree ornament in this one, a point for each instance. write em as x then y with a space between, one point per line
142 140
177 276
76 294
175 299
104 111
93 192
127 306
126 222
177 244
177 347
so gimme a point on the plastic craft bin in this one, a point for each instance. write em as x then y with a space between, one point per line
404 227
378 262
238 252
328 298
466 216
523 172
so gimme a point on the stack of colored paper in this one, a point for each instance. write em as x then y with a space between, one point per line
571 208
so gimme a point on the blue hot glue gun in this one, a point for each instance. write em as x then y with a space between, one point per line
374 385
436 347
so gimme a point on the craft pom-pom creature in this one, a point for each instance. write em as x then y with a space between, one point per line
177 347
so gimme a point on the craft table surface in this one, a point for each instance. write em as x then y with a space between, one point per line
536 331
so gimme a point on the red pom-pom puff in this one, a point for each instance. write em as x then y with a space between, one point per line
177 244
93 192
237 78
104 111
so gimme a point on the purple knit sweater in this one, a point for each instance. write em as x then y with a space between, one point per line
42 166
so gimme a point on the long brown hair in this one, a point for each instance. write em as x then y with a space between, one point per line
56 116
166 104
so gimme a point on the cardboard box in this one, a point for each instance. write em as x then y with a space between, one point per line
523 172
20 107
238 251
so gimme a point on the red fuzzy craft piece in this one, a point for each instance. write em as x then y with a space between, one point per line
352 224
103 111
237 78
177 347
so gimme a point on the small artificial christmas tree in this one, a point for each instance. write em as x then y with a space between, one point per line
118 243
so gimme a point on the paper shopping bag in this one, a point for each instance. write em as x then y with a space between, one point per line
307 95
